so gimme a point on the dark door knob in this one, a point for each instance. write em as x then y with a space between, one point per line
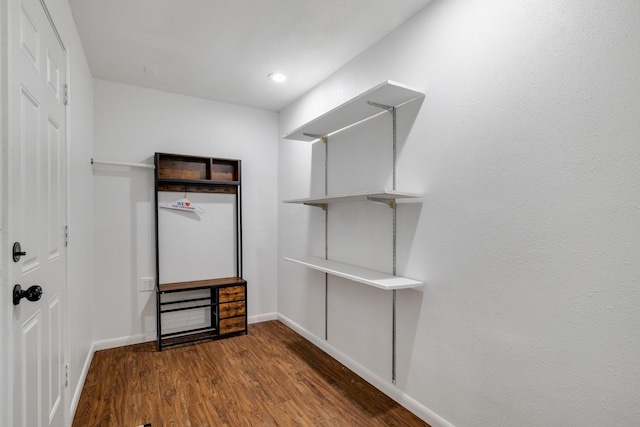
34 293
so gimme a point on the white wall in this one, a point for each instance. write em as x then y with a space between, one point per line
131 124
528 238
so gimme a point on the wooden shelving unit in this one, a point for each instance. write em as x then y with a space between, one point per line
226 297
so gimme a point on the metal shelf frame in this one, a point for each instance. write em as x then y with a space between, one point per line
384 98
214 285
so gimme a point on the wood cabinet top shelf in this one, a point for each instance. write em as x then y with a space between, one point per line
177 169
373 278
200 284
390 94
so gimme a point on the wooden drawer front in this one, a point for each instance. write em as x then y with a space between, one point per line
235 324
232 309
232 293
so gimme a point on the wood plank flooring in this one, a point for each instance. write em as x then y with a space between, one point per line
270 377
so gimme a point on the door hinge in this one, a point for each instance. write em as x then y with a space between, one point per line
66 375
66 94
66 235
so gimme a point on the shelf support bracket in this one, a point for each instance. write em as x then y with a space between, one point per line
323 206
384 107
390 202
322 138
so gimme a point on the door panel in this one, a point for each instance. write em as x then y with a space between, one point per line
30 354
55 180
25 182
28 37
55 356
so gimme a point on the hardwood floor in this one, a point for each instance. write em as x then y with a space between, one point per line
270 377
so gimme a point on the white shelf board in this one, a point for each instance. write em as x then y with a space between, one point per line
357 274
388 93
356 197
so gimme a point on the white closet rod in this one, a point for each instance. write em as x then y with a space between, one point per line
133 165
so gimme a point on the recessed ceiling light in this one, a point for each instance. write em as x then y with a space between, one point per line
277 77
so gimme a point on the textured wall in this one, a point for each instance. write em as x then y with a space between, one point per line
528 238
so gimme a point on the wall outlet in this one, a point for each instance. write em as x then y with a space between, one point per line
147 284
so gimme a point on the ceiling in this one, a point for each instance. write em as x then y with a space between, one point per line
223 50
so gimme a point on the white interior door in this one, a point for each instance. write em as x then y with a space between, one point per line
37 213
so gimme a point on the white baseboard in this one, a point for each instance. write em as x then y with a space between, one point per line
138 339
123 341
262 318
424 413
83 377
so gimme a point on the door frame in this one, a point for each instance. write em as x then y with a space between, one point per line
6 302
